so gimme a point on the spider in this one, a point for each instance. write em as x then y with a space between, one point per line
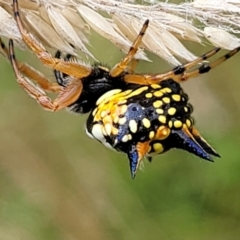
138 114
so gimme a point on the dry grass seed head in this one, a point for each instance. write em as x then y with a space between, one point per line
60 24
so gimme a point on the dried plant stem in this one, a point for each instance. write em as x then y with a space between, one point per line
65 23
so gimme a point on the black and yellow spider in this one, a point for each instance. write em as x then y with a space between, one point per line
137 114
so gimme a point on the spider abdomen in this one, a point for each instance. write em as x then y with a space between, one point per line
141 120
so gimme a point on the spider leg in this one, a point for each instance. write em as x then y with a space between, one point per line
66 96
179 73
63 78
31 73
71 68
132 66
120 67
206 67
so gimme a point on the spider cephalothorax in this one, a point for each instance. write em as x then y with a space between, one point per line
138 114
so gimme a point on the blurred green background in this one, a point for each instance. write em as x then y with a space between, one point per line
56 183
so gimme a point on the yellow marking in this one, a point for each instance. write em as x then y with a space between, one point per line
104 131
137 92
170 123
125 93
108 128
107 119
176 97
166 90
129 137
186 109
121 102
158 147
166 100
162 119
188 123
158 93
157 104
123 109
146 123
172 111
125 138
107 95
151 135
97 132
94 111
159 111
116 119
133 126
177 124
155 86
114 131
122 120
103 114
149 95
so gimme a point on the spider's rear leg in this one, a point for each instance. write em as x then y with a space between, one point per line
206 67
179 73
71 68
66 96
120 67
31 73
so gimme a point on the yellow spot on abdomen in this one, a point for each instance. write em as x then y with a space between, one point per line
123 109
94 111
116 119
157 104
133 126
158 93
137 92
148 95
166 100
108 128
114 131
151 135
146 123
155 86
158 147
125 138
176 97
122 120
172 111
159 111
189 123
177 124
162 119
166 90
108 94
103 114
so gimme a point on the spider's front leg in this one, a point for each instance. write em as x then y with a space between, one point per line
31 73
71 68
66 96
120 67
181 73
